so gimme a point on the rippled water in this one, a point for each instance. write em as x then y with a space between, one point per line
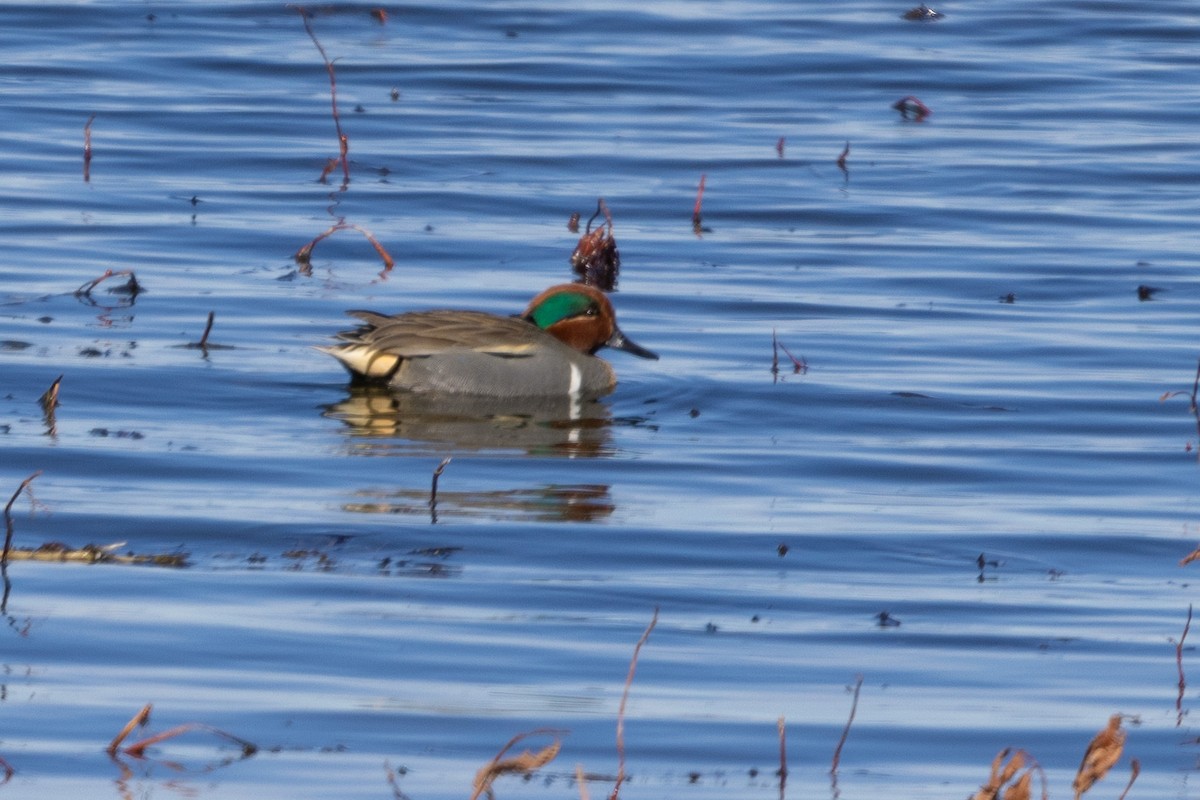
982 378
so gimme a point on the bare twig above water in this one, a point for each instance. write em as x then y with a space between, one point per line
697 218
783 770
87 149
303 256
437 473
8 523
139 720
130 287
343 140
621 710
1179 666
837 751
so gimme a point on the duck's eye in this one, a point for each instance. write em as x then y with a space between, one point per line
591 311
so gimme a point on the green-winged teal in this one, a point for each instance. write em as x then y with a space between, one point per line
547 350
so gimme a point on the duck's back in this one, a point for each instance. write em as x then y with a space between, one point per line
468 352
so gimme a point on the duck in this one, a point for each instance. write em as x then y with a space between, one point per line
547 350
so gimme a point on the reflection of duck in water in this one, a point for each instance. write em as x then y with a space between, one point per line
557 426
549 350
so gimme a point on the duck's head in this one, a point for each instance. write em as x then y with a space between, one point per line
580 317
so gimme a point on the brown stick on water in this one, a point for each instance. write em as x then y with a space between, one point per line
783 770
1179 665
837 752
138 749
8 523
304 254
343 140
87 149
437 473
207 330
697 218
139 719
621 710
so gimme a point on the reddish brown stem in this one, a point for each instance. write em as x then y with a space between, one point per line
87 149
343 140
837 752
783 770
841 162
207 330
139 719
8 523
304 254
1179 665
621 710
696 216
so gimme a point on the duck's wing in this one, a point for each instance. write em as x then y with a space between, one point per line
377 348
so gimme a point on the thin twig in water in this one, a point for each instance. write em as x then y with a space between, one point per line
139 719
1179 665
343 140
87 149
8 523
697 218
437 473
837 752
581 781
8 771
621 710
783 770
304 254
1135 769
207 329
138 749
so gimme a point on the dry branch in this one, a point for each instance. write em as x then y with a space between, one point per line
837 752
621 710
8 523
303 256
139 720
87 149
343 140
1179 666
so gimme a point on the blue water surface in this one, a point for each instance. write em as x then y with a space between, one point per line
987 429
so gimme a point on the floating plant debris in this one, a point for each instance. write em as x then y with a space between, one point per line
912 108
596 260
922 13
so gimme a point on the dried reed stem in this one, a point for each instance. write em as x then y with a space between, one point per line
1135 769
207 330
837 752
783 770
697 218
87 149
8 523
8 771
303 256
1179 666
139 719
343 140
621 710
138 749
581 781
